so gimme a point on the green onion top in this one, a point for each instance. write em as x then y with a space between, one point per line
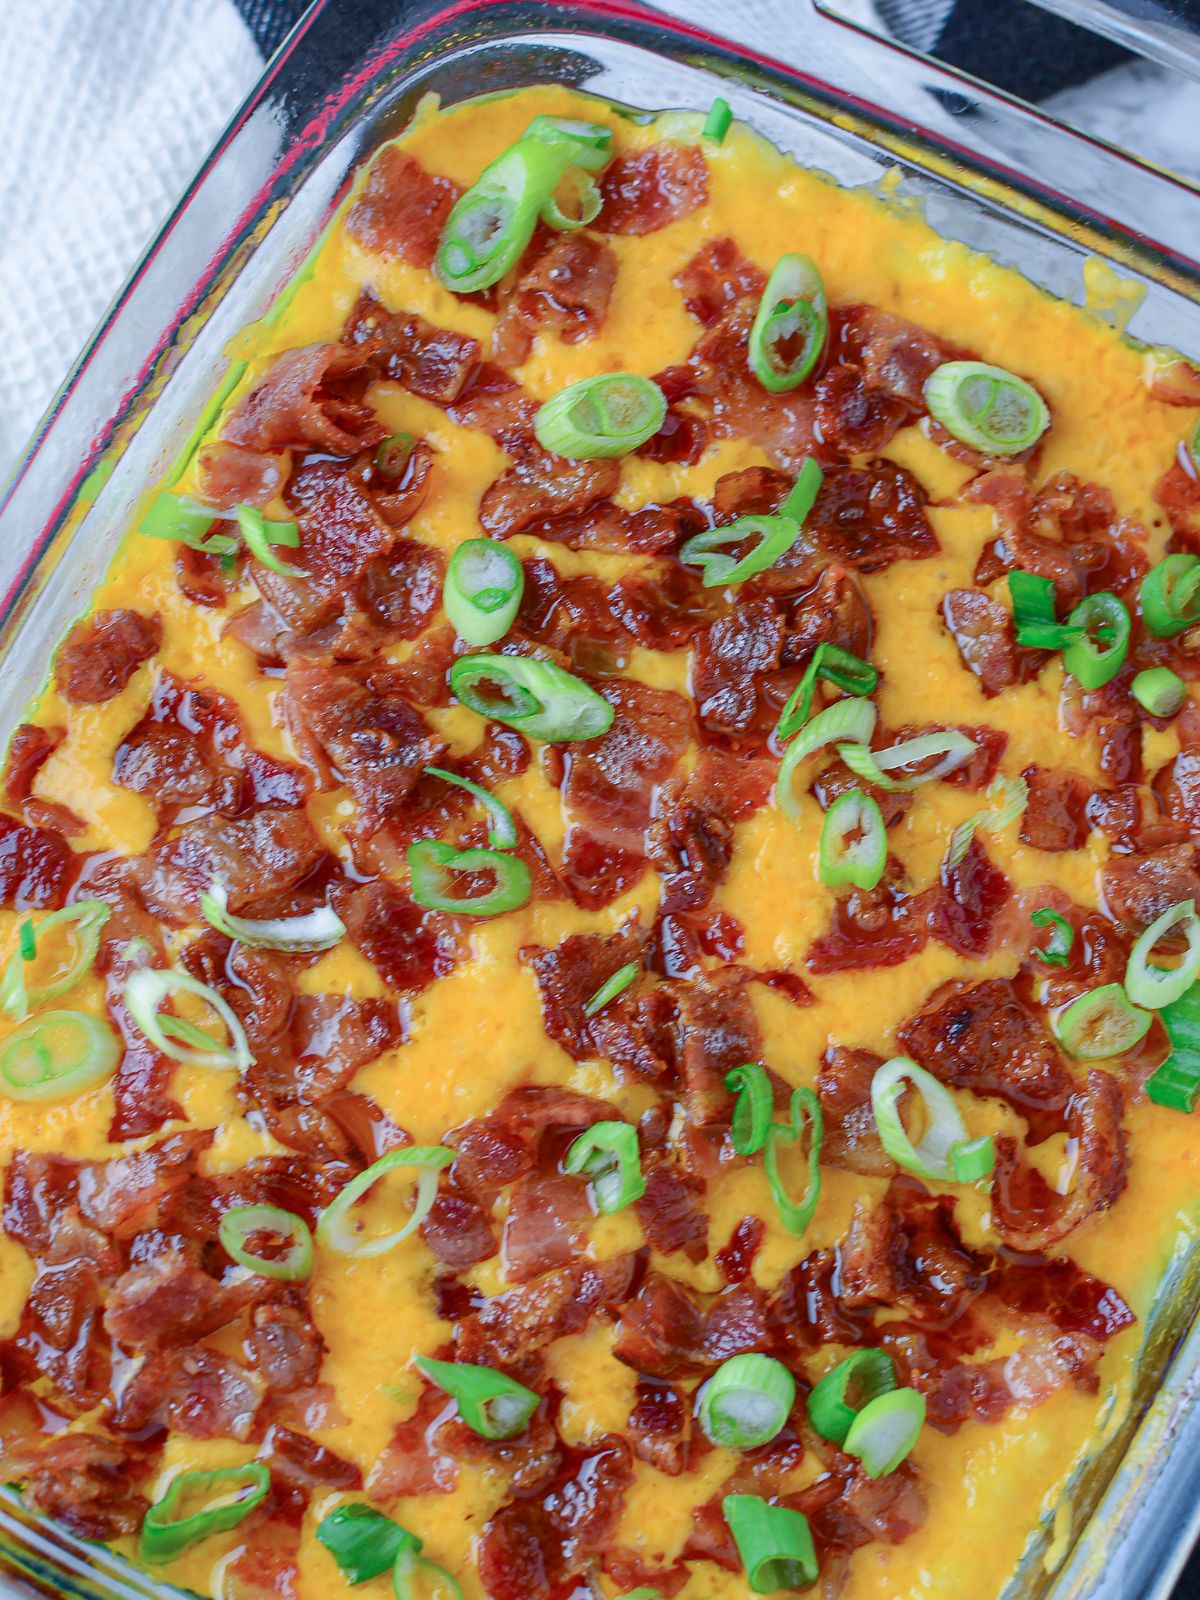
1100 1024
81 923
433 866
610 415
885 1431
502 829
853 846
1034 613
260 535
774 1543
536 697
805 1108
752 1110
608 991
491 1403
1153 986
240 1223
1170 595
746 1401
199 1504
56 1054
716 124
364 1542
987 408
791 325
1057 953
483 590
607 1153
862 1377
1177 1082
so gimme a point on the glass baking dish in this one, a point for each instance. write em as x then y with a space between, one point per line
986 170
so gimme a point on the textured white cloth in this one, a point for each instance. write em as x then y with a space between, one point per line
107 107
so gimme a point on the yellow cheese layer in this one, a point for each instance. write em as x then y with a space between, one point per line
478 1032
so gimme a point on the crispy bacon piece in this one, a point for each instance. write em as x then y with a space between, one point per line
168 1301
511 1556
983 1038
649 188
663 608
37 866
309 398
1138 889
492 1153
100 654
527 1318
665 1331
848 1510
844 1090
808 1309
730 661
1029 1215
735 1259
878 927
1056 817
409 945
716 1031
193 1391
413 1461
660 1427
896 356
59 1335
854 417
1068 532
565 291
28 751
495 402
782 425
982 629
540 489
546 1217
972 894
86 1483
375 741
232 474
402 208
257 857
283 1345
191 748
670 1211
113 1194
435 363
868 517
906 1252
612 784
715 278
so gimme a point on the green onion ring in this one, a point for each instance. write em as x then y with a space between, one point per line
795 1215
1170 595
944 1129
1100 1024
607 1154
56 1054
885 1431
232 1494
483 589
853 846
752 1111
871 1371
433 865
598 418
319 929
845 720
746 1402
410 1567
716 124
843 670
774 1543
491 1403
502 829
1159 691
364 1542
82 922
239 1222
336 1229
148 987
1152 986
1058 952
536 697
1093 662
987 408
873 766
793 311
394 454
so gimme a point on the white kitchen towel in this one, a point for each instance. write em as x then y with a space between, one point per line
107 107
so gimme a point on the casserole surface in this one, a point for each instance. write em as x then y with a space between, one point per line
984 1483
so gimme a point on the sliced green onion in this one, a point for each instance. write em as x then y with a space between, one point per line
974 1160
796 1215
853 845
746 1402
1153 986
337 1227
260 535
239 1222
802 497
852 720
490 225
986 407
1012 797
841 668
1058 952
607 1154
483 589
56 1054
1034 614
147 988
502 830
774 1543
1159 691
614 986
716 124
791 325
610 415
1101 1023
1170 595
319 929
535 697
1098 654
433 865
775 537
830 1410
643 1592
82 923
364 1542
752 1110
588 198
1177 1082
873 766
885 1431
593 141
393 455
412 1571
223 1498
493 1404
185 520
944 1126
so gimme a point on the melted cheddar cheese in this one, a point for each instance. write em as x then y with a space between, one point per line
478 1032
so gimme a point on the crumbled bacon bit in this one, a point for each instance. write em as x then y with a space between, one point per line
649 188
565 291
37 866
100 654
402 208
28 751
